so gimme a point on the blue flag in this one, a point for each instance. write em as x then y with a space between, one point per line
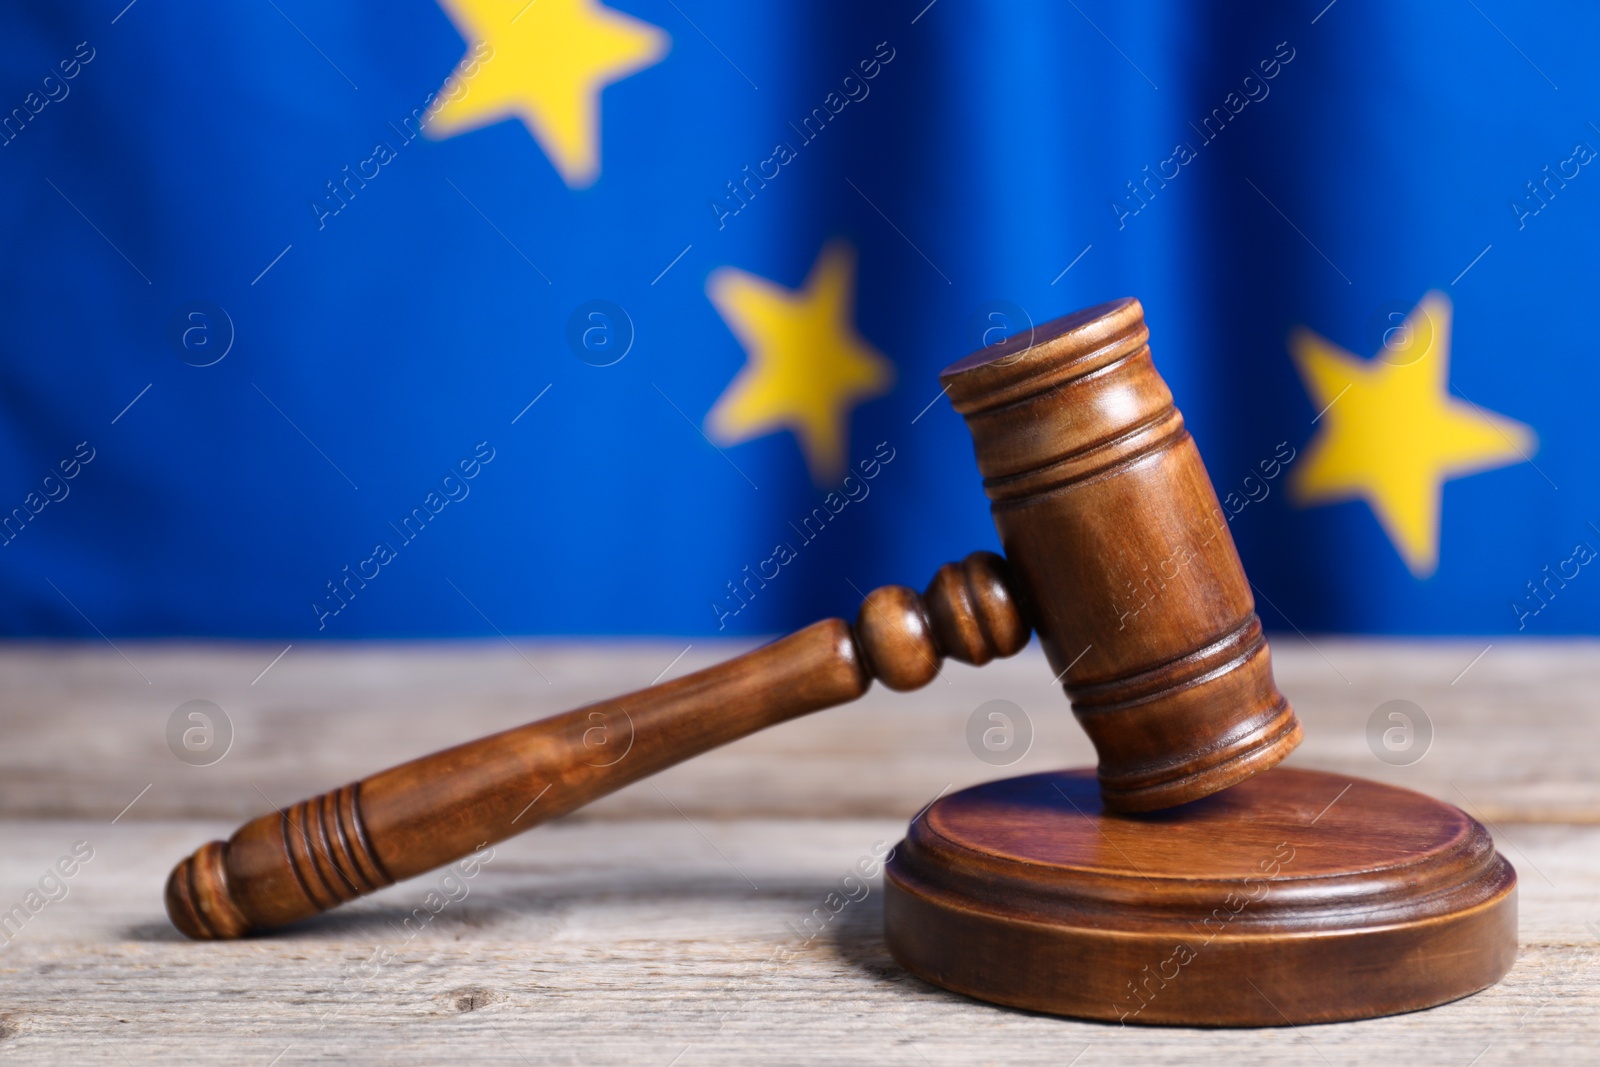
464 317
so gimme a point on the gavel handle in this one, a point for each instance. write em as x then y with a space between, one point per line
295 863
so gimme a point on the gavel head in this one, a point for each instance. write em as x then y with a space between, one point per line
1122 558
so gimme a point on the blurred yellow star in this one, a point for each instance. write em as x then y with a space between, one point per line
550 60
1392 435
807 367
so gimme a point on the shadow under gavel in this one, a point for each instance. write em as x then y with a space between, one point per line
1116 554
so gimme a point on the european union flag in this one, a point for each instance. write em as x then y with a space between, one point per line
350 319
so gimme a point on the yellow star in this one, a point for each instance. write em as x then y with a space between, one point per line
807 366
549 61
1392 434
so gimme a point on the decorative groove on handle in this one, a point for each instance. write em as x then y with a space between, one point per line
332 866
353 831
968 613
327 856
302 858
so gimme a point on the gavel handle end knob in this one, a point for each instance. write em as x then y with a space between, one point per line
198 901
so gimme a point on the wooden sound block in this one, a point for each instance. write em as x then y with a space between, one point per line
1293 897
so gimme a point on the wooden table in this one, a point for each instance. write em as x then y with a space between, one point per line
677 922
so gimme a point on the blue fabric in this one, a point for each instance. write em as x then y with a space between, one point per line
389 346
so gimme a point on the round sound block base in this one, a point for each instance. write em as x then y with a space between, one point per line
1294 897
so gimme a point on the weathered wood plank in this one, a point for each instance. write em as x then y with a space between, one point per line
629 935
640 941
85 733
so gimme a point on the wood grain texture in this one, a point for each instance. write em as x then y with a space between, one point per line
1294 897
621 934
634 942
1513 735
1122 557
316 854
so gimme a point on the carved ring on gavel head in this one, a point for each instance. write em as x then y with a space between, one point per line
1096 489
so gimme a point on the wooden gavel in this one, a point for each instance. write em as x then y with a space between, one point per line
1097 491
